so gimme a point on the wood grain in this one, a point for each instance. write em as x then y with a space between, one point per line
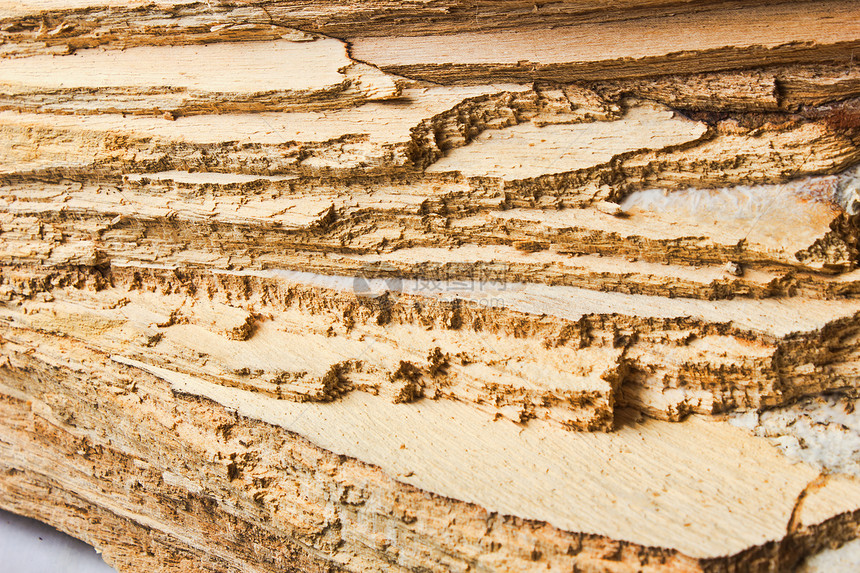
432 286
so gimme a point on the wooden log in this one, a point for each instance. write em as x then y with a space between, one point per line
433 286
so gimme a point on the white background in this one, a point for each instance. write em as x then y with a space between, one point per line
28 546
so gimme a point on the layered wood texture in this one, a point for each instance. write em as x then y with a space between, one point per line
433 285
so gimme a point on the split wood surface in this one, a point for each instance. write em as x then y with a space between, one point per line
432 285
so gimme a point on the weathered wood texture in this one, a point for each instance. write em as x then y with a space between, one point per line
433 286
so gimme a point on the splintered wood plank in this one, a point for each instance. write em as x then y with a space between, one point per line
705 502
267 466
526 150
21 8
563 355
291 355
190 80
254 67
432 286
609 49
713 223
381 122
777 317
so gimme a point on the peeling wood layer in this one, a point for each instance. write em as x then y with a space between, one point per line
432 286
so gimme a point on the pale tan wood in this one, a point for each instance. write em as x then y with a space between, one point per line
764 25
432 286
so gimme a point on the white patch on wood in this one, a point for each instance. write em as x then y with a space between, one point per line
780 217
823 431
